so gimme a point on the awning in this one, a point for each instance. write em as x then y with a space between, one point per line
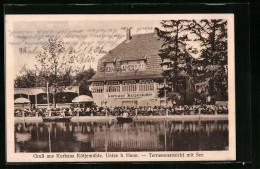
82 99
21 100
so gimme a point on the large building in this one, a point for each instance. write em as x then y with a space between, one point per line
130 74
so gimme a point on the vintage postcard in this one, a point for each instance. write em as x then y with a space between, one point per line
120 88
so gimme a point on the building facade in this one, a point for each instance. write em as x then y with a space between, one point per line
130 74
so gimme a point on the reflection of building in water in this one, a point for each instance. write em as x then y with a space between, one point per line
158 135
115 145
137 136
197 135
197 126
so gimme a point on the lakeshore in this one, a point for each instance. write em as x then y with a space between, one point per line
139 118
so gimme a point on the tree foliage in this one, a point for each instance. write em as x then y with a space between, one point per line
174 52
53 64
82 80
25 81
55 68
218 84
177 56
30 80
212 35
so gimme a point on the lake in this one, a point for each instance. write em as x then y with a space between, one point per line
111 136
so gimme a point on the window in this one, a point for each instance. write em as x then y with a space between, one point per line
129 82
113 83
129 66
109 67
129 85
97 87
98 84
146 85
145 81
113 86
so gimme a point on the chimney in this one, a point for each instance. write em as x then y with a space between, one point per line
128 34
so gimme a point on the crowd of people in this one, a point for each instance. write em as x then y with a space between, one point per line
119 111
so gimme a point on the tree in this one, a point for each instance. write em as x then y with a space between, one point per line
25 81
54 65
82 80
212 35
176 57
218 84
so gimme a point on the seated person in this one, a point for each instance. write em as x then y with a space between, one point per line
62 114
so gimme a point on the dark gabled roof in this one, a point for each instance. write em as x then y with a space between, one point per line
140 47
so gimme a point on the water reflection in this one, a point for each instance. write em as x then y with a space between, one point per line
102 136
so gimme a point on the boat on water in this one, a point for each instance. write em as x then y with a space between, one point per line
56 119
124 119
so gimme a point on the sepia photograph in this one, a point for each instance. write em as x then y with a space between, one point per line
158 87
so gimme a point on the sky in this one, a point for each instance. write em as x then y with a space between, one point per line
96 36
